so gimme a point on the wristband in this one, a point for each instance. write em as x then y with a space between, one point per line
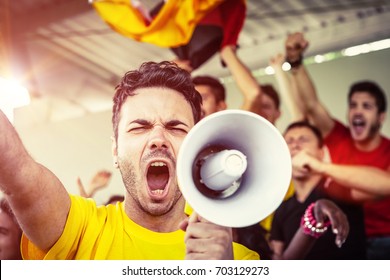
308 223
295 64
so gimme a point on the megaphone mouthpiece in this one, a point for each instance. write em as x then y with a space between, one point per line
220 170
217 171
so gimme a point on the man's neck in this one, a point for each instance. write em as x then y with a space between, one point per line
370 144
168 222
304 186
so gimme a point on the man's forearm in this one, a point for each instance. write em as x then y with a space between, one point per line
244 79
13 156
364 178
38 199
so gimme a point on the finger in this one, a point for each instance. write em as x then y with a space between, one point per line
197 245
340 228
196 256
191 227
340 237
319 215
337 220
193 256
205 230
203 220
218 245
193 218
342 233
184 224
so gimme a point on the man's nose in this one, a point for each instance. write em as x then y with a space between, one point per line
158 138
357 109
294 146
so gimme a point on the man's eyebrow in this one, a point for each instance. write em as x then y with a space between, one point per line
175 123
169 123
140 121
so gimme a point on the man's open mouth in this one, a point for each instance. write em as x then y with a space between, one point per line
157 177
358 124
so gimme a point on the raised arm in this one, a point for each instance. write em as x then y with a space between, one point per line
38 199
314 110
244 79
288 89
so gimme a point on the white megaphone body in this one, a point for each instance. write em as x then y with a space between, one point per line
234 168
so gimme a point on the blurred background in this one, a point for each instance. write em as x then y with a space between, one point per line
60 62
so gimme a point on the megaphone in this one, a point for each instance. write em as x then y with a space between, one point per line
234 168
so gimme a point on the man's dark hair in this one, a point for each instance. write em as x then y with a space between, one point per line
217 88
373 89
306 124
151 74
269 90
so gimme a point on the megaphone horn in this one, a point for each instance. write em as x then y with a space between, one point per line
234 168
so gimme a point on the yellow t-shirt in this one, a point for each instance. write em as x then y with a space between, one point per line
106 232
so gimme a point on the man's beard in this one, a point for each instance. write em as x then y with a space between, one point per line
373 130
132 184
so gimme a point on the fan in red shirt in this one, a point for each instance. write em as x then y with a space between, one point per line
359 171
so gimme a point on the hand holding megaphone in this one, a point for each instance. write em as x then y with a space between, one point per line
205 240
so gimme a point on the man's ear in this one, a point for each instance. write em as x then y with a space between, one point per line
114 151
382 118
222 105
278 114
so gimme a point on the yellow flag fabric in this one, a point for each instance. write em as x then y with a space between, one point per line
172 27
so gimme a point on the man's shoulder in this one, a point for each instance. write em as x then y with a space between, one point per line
339 130
338 138
385 141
